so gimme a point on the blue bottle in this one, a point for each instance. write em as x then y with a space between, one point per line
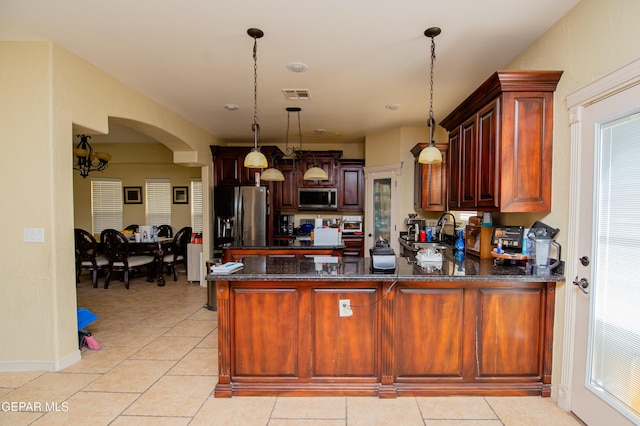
460 241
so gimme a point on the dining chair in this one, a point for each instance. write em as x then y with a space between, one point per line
165 231
87 256
178 253
116 247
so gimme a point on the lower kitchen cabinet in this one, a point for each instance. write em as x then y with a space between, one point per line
291 337
353 246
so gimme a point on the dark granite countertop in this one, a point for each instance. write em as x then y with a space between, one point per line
328 268
297 244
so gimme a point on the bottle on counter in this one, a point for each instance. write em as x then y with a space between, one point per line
460 241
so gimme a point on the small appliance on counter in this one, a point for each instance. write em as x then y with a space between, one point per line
414 226
351 225
285 224
383 258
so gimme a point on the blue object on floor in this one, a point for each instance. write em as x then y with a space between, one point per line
85 317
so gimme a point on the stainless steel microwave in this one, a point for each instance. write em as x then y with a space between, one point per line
318 198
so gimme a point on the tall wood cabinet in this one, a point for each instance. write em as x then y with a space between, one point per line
351 185
430 181
501 144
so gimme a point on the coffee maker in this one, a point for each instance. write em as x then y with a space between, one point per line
414 226
285 224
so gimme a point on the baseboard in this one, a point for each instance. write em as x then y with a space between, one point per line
14 366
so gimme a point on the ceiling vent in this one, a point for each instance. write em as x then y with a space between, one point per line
296 94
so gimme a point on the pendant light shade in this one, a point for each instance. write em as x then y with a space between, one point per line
255 159
315 173
430 154
272 174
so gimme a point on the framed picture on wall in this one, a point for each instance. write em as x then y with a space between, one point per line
133 195
180 195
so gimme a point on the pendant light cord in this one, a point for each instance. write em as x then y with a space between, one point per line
433 58
255 127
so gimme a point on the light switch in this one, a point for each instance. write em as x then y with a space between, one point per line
34 235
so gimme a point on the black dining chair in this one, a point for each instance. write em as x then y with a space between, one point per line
116 247
178 251
87 256
165 231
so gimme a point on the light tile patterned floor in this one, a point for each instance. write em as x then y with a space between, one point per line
157 366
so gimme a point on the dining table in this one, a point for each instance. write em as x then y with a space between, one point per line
157 248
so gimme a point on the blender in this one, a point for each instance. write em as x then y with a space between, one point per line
543 263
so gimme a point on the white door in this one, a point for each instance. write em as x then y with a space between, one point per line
382 196
605 386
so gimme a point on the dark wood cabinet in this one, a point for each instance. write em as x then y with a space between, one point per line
286 192
353 245
477 334
424 339
430 181
351 185
326 160
501 144
228 164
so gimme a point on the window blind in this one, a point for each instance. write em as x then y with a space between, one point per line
196 205
106 204
158 204
615 338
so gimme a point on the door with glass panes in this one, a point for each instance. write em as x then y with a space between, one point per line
606 356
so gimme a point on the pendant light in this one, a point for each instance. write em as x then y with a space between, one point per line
430 154
255 159
86 156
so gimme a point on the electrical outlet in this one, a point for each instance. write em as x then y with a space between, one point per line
344 308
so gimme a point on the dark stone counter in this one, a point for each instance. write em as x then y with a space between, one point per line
329 268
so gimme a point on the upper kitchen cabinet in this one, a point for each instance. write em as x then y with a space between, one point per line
286 192
326 160
430 181
351 187
501 144
228 164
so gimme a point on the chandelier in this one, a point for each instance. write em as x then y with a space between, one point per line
292 153
430 154
255 159
86 158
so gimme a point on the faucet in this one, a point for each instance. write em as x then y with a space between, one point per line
441 223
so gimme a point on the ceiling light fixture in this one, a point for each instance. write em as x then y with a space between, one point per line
255 159
430 154
292 153
85 157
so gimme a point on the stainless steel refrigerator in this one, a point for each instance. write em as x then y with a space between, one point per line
246 207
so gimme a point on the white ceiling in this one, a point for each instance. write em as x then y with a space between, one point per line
194 56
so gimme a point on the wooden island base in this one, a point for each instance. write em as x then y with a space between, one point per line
412 337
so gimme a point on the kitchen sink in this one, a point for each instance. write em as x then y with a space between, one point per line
429 245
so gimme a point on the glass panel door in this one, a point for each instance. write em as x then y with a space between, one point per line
382 209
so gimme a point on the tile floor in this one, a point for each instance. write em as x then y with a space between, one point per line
157 366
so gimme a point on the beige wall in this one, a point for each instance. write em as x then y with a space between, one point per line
45 91
134 163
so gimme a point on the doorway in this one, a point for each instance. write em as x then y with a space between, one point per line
382 196
605 368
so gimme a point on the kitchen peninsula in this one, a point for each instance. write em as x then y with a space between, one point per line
326 325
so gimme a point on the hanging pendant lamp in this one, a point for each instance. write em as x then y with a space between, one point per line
430 154
255 159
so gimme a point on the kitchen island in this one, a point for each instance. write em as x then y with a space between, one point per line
328 326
